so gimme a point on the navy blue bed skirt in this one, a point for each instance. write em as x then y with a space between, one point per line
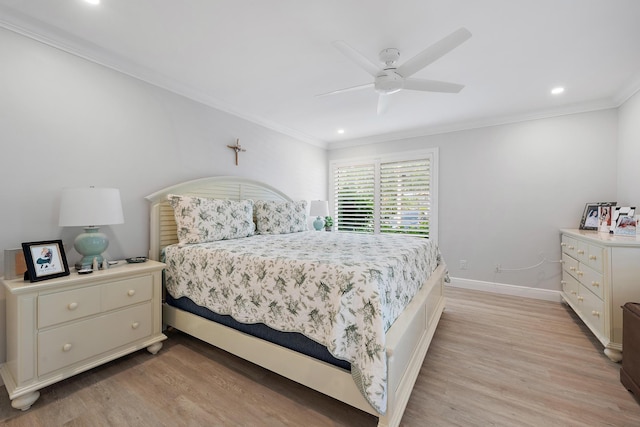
291 340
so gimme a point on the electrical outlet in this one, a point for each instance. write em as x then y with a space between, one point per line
463 264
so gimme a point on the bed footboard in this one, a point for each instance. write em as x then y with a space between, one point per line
407 343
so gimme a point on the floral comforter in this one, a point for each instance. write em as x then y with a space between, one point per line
342 290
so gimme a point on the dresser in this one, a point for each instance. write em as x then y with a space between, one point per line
60 327
601 272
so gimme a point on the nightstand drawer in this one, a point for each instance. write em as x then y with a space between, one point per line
69 305
127 292
61 347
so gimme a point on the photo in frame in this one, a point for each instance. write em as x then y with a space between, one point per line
45 260
605 215
624 221
591 215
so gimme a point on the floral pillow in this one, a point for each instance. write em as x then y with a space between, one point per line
280 217
201 220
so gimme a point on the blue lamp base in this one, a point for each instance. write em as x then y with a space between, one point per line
318 224
90 244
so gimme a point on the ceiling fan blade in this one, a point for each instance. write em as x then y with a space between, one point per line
357 57
348 89
432 86
433 52
383 103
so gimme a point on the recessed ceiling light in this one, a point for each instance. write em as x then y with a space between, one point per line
557 90
94 2
340 131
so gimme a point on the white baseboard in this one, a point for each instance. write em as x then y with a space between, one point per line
502 288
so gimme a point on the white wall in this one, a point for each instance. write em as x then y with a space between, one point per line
629 152
506 190
65 122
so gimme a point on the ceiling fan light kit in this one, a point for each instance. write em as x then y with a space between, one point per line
391 78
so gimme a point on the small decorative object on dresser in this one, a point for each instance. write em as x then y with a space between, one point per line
600 273
64 326
45 260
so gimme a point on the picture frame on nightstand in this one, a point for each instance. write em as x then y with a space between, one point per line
45 260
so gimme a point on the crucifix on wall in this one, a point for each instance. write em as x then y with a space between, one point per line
237 148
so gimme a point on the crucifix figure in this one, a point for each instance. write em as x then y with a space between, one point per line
237 148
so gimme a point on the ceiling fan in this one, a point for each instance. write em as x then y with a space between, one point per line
392 78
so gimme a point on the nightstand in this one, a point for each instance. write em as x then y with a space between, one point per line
60 327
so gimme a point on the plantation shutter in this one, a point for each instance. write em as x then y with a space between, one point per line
354 197
393 193
404 197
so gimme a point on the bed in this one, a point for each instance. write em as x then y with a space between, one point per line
401 333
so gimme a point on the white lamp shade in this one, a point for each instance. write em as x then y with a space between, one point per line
90 206
319 208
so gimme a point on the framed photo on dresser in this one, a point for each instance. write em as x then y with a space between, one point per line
624 221
597 216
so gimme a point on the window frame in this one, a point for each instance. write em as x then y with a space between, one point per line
428 153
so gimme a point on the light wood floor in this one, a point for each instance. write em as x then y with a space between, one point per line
495 361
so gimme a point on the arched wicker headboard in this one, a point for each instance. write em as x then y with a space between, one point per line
162 223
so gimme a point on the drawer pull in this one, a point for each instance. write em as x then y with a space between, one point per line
135 325
563 282
574 293
596 313
66 347
563 244
580 273
572 247
593 257
131 292
580 299
581 252
596 284
572 268
72 306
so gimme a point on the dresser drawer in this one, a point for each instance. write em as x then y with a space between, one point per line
569 246
595 258
61 347
570 287
591 280
69 305
592 310
570 265
126 292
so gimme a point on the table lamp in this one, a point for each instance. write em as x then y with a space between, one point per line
320 209
90 207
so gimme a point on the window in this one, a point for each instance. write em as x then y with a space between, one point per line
388 194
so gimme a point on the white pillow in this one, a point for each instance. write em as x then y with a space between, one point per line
202 220
274 217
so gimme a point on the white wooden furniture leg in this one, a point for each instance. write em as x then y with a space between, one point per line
154 348
25 401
